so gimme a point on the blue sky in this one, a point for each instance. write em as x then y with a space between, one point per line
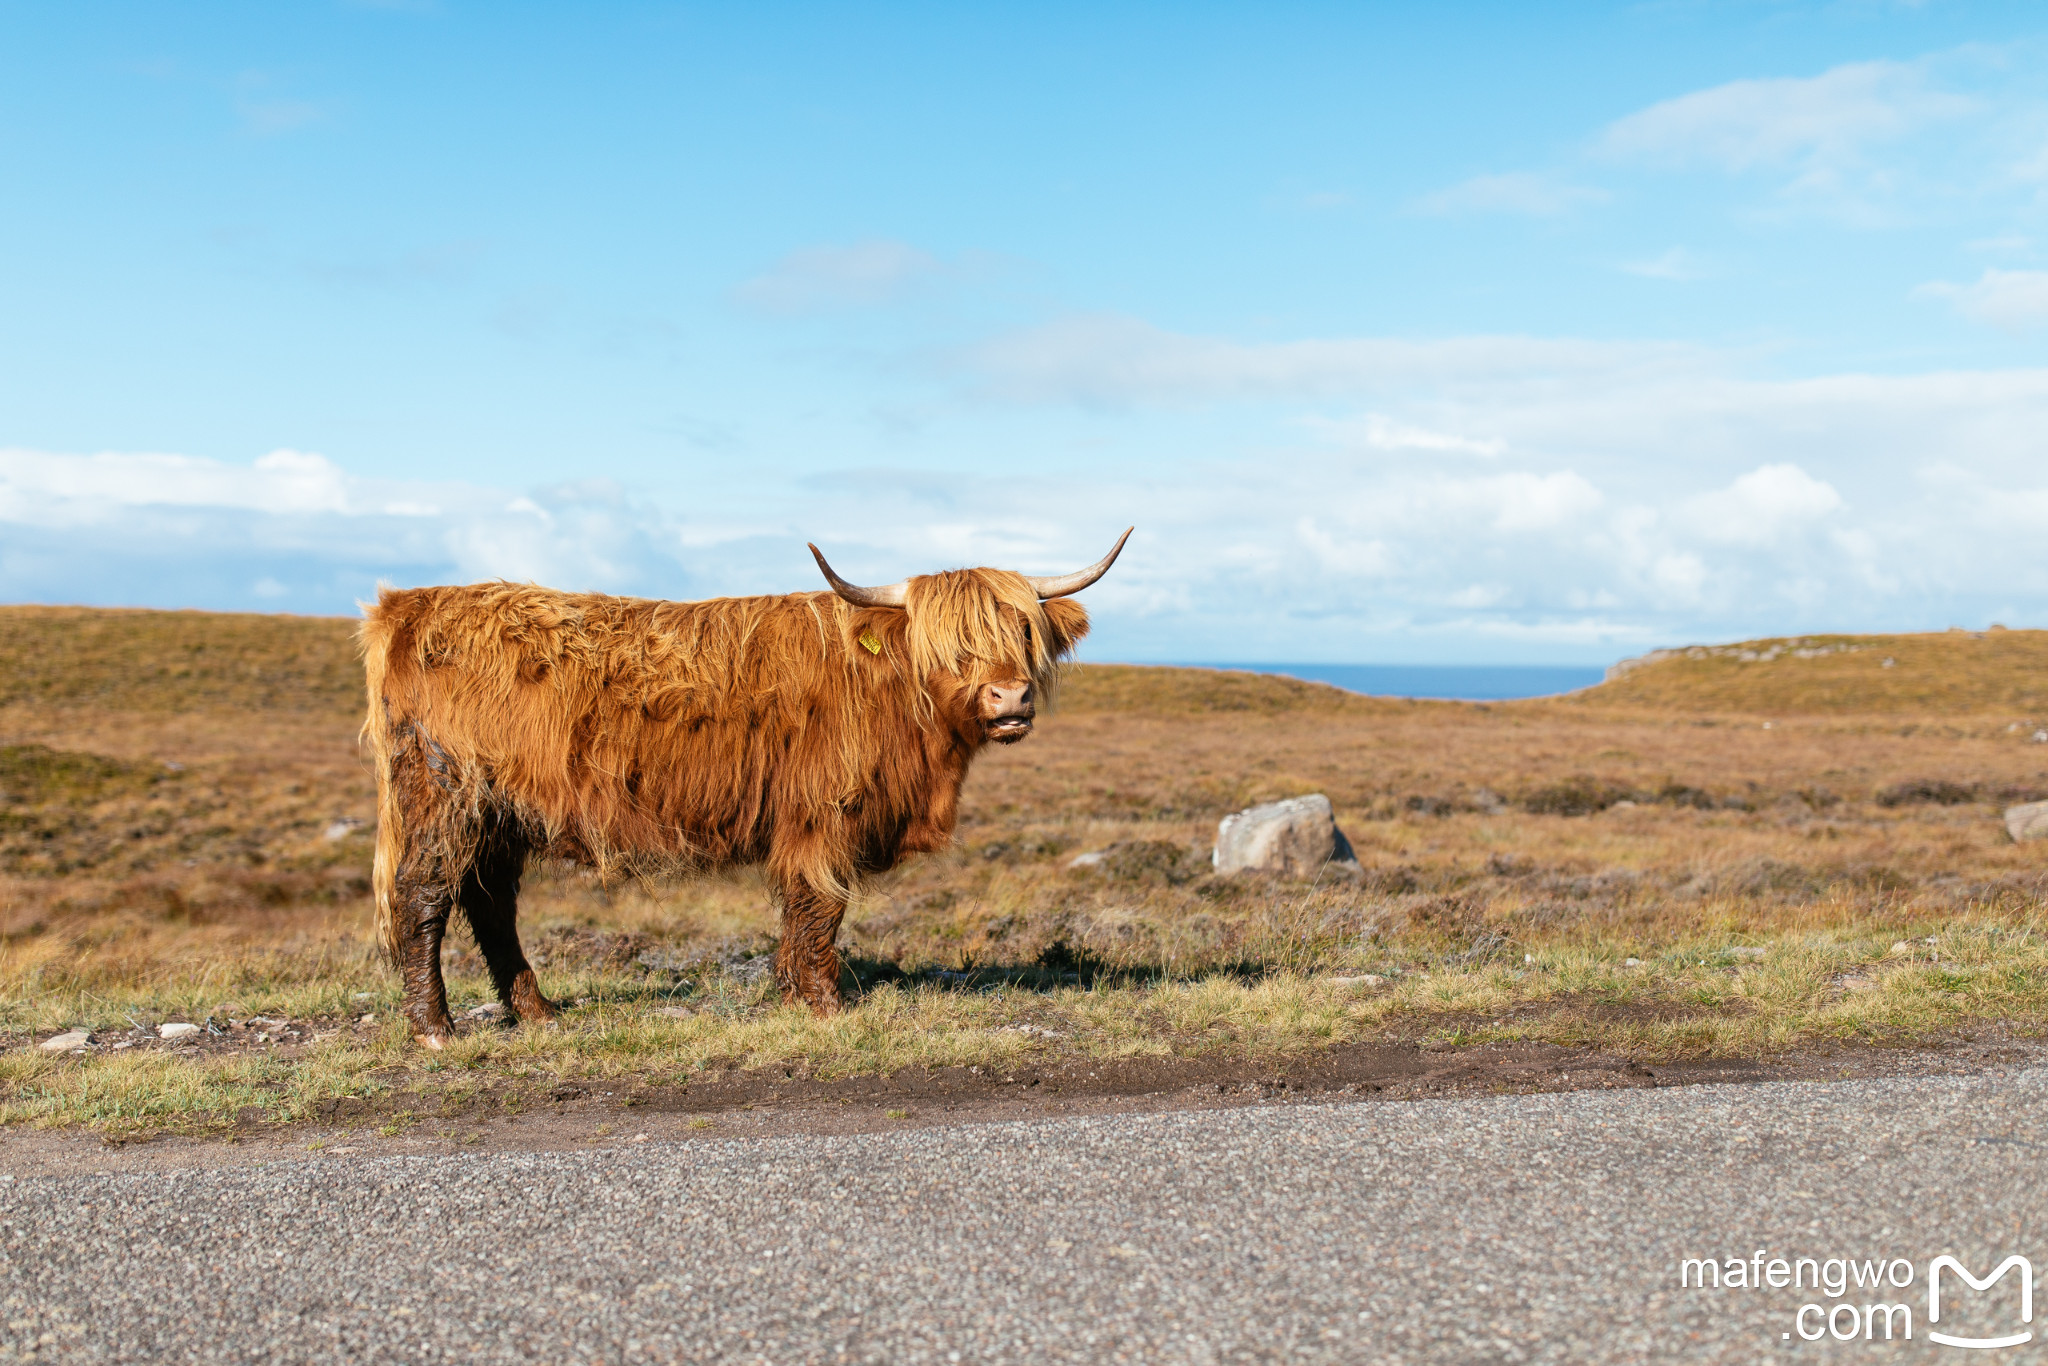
1402 333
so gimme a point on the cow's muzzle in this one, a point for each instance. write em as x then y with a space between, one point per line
1008 712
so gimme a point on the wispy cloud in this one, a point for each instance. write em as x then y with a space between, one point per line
440 263
1112 359
837 277
1375 431
1519 192
266 110
2011 299
1676 263
1814 121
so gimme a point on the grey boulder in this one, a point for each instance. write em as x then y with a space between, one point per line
2028 821
1295 838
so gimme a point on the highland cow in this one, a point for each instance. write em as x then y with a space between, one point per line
823 736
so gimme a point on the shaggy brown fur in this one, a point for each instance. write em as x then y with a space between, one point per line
636 735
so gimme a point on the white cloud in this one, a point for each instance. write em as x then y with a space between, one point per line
2012 299
1519 192
1823 120
1668 489
1543 495
293 529
1538 502
1358 557
832 276
1763 505
67 487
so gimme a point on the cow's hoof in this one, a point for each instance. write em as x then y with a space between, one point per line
436 1042
536 1010
528 1004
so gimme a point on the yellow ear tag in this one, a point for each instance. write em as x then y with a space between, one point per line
872 641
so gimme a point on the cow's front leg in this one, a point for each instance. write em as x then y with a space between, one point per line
807 960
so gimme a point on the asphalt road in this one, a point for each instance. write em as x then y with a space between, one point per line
1527 1228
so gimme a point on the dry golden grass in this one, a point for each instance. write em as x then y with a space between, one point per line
164 853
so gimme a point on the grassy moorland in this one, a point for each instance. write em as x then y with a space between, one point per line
1732 851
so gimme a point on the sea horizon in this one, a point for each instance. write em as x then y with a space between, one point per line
1434 682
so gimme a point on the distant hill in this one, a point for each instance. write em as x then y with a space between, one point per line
141 660
1173 689
1947 672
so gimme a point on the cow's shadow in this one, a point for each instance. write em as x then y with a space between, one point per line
1061 966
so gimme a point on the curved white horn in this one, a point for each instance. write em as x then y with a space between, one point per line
1063 584
888 595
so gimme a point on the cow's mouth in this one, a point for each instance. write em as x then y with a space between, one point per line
1008 730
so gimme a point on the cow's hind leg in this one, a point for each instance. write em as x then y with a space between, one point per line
490 900
807 960
421 899
437 838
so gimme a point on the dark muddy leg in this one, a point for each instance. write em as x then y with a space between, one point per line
490 899
422 901
806 962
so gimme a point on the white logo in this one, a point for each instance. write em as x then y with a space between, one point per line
2026 1299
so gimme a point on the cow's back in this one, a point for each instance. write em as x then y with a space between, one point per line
626 724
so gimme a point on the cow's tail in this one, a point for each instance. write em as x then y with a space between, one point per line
374 638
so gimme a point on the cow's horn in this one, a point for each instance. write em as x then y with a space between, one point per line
889 595
1060 586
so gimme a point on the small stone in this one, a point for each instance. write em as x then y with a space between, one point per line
489 1010
367 1020
1747 951
177 1031
342 828
1623 805
1902 947
1631 962
676 1012
1370 979
64 1043
1089 859
1528 958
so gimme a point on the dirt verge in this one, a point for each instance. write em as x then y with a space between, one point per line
582 1116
